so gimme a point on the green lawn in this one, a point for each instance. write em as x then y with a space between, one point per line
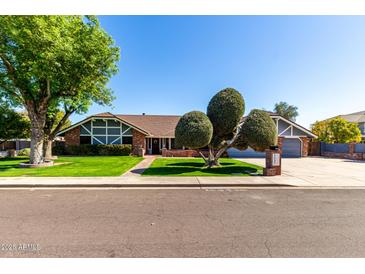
195 167
72 166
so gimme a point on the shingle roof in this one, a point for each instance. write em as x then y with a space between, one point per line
155 125
356 117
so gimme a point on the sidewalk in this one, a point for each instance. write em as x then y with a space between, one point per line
164 182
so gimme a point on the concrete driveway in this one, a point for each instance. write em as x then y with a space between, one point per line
318 171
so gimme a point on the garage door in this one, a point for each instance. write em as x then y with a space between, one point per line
291 148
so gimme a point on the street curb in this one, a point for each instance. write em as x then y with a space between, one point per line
175 186
137 185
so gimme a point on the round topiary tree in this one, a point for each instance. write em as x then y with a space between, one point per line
258 131
225 110
223 127
194 130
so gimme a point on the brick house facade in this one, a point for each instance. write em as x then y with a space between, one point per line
155 134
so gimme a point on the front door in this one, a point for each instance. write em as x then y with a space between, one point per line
155 146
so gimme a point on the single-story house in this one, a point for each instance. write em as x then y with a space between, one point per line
155 132
293 140
16 144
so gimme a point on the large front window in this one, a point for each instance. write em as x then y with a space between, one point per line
105 131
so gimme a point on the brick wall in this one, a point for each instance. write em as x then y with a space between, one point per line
305 146
72 137
138 140
280 144
318 149
353 156
185 153
179 153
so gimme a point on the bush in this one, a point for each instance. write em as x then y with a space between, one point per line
24 152
58 150
194 130
93 150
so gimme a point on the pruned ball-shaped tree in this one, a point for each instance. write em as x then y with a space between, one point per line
223 127
258 130
225 110
194 130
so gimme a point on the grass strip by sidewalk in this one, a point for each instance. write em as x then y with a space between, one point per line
71 166
195 167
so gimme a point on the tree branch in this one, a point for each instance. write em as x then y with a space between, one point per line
62 122
202 155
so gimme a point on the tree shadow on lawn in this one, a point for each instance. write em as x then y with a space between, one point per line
10 159
188 171
194 164
13 163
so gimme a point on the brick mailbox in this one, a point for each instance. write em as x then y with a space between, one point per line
273 162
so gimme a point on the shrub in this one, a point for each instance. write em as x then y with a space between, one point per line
194 130
24 152
114 150
93 150
58 150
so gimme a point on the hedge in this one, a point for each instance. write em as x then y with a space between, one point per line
93 150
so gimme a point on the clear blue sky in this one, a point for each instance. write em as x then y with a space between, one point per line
175 64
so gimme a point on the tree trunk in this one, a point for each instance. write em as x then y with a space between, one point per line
37 120
36 145
47 148
211 161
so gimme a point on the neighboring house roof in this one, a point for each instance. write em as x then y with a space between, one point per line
310 134
356 117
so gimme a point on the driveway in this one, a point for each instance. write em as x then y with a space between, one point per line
317 171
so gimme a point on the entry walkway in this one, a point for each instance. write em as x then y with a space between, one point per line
140 167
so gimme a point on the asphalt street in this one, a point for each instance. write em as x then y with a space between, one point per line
182 223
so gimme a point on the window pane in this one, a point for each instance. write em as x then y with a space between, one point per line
99 123
125 127
128 132
99 131
83 131
113 131
112 123
99 139
87 125
111 140
127 140
85 140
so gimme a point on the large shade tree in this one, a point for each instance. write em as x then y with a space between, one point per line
56 120
48 60
223 127
287 111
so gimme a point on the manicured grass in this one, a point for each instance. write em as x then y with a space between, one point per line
72 166
195 167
